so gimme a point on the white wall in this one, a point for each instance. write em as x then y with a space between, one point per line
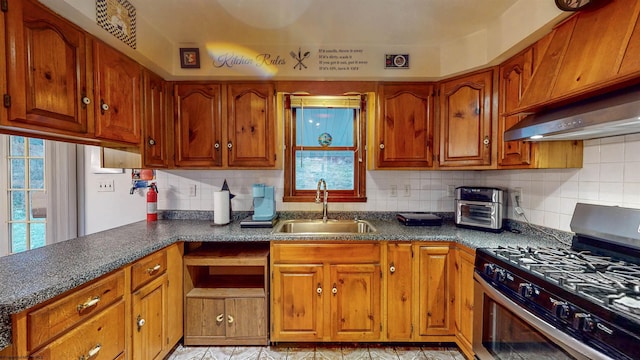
106 210
609 176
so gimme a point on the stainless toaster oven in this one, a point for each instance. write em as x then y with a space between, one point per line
480 207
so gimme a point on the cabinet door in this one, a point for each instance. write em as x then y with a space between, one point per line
155 132
175 295
205 320
465 120
436 292
246 317
514 77
464 313
46 66
251 125
297 302
399 291
355 302
197 125
149 314
404 126
118 81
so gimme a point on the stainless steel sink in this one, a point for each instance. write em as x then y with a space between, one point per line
317 227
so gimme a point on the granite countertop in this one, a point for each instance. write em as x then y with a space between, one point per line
35 276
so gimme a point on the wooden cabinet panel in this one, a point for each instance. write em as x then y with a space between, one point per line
404 126
202 325
118 82
61 315
148 268
148 313
466 113
197 125
175 294
297 307
251 125
355 302
436 291
101 337
399 324
246 317
47 71
156 111
464 313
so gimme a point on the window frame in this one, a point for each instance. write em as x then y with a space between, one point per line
358 194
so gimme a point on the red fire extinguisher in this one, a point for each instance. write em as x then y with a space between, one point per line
152 203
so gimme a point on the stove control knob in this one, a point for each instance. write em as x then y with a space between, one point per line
526 290
561 310
501 275
579 320
589 325
489 269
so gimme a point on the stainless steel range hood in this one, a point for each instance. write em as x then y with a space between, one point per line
616 113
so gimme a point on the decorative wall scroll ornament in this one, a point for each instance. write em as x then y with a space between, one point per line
396 61
299 57
118 17
325 139
190 58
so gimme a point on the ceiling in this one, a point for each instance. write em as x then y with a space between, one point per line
290 22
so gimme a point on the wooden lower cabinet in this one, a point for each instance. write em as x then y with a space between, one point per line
399 291
120 315
436 291
326 292
101 337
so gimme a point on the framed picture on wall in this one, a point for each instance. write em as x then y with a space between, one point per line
119 18
190 58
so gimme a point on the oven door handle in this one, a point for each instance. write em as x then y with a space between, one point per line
576 348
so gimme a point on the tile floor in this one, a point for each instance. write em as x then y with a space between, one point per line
311 352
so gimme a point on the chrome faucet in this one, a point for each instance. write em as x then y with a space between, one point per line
323 183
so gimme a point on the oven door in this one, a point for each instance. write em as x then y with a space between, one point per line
504 330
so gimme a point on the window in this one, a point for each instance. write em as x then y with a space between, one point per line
38 201
325 139
27 218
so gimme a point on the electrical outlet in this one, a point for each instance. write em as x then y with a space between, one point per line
516 197
451 190
407 190
394 191
192 190
106 186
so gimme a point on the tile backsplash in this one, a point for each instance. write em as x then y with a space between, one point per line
610 176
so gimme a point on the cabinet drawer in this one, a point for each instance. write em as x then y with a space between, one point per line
101 337
325 252
148 268
71 309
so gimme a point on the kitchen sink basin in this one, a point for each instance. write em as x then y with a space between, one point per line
318 227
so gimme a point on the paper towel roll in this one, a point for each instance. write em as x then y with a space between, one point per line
221 207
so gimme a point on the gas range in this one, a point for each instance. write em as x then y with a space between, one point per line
590 292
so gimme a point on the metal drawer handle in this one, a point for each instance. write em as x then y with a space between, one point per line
93 352
230 319
153 269
89 303
219 318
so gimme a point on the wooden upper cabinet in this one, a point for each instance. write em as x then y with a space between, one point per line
46 59
156 112
251 125
514 77
404 126
198 125
591 52
466 113
118 81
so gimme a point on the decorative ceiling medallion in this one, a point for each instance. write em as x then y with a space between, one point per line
118 17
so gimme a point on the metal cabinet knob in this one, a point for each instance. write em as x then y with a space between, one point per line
392 268
151 141
319 290
216 145
140 322
86 100
334 290
229 145
381 146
